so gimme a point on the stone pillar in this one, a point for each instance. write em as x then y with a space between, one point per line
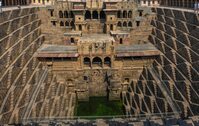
76 27
91 60
98 14
166 3
182 3
115 27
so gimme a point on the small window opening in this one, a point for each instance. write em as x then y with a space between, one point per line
51 13
72 40
53 23
85 78
140 14
121 41
137 23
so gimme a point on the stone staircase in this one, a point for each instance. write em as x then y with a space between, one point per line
156 121
164 89
60 66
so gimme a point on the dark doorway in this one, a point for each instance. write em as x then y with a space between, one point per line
119 24
72 24
87 62
137 23
102 15
72 40
130 24
124 24
119 14
88 15
111 27
97 62
51 13
3 3
66 14
80 27
67 23
130 14
107 61
121 41
124 14
95 15
61 23
140 13
60 14
71 14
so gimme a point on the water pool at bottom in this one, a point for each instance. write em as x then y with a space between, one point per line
99 106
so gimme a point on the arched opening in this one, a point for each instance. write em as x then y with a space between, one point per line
66 14
71 14
87 62
95 15
60 14
119 14
140 13
67 23
125 24
119 24
3 3
121 41
102 15
124 14
53 23
88 15
130 24
72 24
97 62
111 27
51 13
107 62
137 23
80 27
130 14
61 23
72 40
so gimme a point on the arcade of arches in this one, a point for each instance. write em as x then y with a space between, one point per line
179 3
95 14
97 62
15 2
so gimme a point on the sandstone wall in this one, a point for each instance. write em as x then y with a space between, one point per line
175 34
27 88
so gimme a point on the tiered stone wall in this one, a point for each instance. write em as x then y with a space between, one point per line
20 38
27 88
175 34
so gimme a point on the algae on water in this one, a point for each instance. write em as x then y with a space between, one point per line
99 106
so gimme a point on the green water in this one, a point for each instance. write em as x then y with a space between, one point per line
99 106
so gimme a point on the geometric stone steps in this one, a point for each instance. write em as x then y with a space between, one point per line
178 43
117 121
35 93
164 89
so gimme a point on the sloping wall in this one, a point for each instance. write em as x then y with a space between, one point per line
27 88
176 35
